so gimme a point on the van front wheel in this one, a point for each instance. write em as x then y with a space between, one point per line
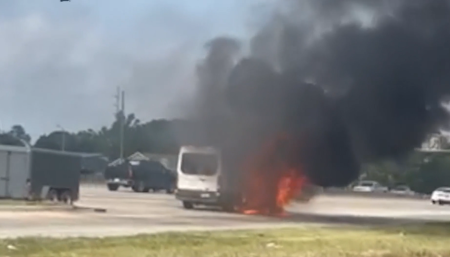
188 205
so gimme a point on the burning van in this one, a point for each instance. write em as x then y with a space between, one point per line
204 179
199 170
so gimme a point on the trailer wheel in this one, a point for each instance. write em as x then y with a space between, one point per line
53 195
66 197
113 187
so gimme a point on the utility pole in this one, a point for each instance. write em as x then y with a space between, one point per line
63 137
117 102
120 114
122 123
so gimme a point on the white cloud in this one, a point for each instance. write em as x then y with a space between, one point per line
63 66
45 68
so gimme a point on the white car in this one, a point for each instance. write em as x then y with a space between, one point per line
402 190
441 196
369 186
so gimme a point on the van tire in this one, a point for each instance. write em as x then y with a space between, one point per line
188 205
113 187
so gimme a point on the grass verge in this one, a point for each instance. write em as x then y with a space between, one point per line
425 240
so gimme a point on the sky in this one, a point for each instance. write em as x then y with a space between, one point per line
61 62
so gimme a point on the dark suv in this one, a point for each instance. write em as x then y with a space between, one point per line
151 175
141 176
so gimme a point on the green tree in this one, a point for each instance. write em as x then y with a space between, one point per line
18 131
157 136
57 140
14 135
423 172
429 172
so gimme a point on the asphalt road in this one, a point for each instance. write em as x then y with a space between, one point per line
130 213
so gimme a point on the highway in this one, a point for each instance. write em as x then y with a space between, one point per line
129 213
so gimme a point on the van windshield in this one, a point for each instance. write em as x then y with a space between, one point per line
199 164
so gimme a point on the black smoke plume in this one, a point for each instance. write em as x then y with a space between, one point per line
347 82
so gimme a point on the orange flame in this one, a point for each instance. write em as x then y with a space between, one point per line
270 183
288 187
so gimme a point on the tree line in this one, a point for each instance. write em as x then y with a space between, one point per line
156 136
421 171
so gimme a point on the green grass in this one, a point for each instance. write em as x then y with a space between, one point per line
428 240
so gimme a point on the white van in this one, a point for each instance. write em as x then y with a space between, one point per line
199 170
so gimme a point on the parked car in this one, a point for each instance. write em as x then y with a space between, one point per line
402 190
369 186
441 196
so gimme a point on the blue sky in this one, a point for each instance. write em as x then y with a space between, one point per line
60 63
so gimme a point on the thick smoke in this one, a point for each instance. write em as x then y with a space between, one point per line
347 82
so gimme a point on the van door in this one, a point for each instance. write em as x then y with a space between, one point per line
198 183
199 171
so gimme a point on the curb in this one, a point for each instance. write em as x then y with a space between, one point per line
34 208
25 208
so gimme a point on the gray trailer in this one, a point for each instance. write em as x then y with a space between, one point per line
55 175
39 174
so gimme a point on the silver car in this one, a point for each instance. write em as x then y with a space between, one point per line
402 190
369 186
